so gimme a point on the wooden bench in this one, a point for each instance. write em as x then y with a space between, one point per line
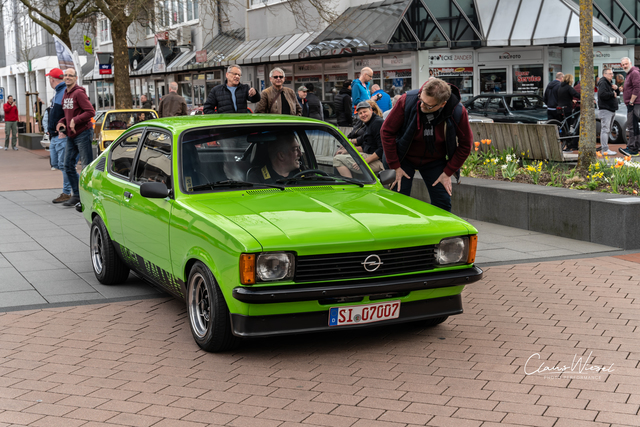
537 142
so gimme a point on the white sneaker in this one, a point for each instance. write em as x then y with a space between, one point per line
609 153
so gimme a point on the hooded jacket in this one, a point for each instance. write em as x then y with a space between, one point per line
342 105
56 112
607 97
406 141
76 106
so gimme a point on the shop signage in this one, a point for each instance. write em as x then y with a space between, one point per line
394 74
395 60
336 66
335 77
306 79
359 64
159 64
527 79
162 35
308 68
460 58
451 72
104 63
509 55
201 56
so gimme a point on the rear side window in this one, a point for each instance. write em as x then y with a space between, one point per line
123 154
477 105
154 163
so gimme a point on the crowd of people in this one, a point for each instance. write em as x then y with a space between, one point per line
425 129
562 98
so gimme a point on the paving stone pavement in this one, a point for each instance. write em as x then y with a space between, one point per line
135 363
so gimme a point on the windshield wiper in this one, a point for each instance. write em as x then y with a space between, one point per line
232 184
320 178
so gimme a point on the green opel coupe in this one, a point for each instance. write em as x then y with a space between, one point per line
235 215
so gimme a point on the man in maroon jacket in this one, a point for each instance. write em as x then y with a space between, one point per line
10 122
428 130
76 125
630 96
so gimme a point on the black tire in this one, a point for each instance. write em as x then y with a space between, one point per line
208 312
107 265
616 136
429 323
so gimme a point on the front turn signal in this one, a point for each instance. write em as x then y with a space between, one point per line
473 245
247 269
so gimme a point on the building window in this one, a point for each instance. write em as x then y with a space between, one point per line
105 30
192 9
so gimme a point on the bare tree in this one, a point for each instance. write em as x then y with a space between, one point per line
58 17
121 14
587 116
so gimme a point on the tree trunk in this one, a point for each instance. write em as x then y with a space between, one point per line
122 86
587 115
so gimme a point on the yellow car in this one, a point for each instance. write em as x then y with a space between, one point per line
115 122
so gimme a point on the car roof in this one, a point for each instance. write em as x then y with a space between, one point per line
182 123
131 110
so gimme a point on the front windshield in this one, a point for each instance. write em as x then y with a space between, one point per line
124 120
267 156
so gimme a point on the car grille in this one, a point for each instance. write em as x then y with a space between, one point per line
351 265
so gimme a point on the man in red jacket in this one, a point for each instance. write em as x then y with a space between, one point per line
10 122
427 130
76 125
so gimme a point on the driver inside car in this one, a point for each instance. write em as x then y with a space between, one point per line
284 160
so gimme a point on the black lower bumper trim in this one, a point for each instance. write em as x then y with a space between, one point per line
292 293
318 321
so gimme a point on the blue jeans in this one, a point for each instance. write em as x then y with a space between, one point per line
56 151
79 144
430 173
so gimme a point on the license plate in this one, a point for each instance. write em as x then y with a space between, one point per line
367 313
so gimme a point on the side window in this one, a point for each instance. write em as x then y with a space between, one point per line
123 154
154 163
477 106
494 104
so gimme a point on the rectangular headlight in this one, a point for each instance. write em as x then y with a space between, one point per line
453 250
272 266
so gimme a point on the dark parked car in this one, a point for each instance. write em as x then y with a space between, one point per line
508 108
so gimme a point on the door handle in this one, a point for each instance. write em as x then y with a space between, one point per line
127 195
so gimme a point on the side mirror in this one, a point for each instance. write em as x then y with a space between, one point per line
387 176
154 190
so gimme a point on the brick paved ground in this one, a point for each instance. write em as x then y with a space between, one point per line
135 363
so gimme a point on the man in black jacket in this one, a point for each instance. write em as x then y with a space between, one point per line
551 96
315 106
231 96
371 146
342 104
607 106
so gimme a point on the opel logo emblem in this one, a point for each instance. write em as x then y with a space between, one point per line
372 263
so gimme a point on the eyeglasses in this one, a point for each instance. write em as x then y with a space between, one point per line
429 107
277 77
236 74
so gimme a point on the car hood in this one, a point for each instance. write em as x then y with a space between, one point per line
111 135
532 115
319 220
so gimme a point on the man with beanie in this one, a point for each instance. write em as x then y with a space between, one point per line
76 126
58 141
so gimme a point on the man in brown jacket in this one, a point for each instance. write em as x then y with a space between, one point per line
172 104
278 99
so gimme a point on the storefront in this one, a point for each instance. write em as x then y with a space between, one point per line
454 67
509 71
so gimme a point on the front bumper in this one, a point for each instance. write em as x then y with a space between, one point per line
318 321
310 292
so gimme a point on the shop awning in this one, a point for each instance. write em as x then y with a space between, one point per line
222 45
537 22
145 66
271 49
398 25
179 61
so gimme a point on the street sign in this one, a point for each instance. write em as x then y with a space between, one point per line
1 94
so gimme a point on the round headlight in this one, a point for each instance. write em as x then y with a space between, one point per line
274 266
453 250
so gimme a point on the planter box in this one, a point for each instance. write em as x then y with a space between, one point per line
604 218
30 141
